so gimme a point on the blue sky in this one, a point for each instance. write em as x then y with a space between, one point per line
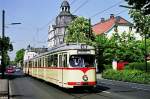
37 15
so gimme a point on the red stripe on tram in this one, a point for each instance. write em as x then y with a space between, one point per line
82 83
84 70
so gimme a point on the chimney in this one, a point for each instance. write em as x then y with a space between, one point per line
111 16
102 20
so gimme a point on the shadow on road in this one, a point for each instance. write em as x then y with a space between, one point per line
14 75
77 90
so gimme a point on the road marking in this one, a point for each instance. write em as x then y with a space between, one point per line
10 90
106 92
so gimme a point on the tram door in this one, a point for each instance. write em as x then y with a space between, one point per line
60 70
62 64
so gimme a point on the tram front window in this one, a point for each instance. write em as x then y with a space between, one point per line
82 60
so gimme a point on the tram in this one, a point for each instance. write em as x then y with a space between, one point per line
68 66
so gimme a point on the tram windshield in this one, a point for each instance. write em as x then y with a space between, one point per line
82 60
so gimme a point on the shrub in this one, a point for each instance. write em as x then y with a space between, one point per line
109 66
127 75
138 66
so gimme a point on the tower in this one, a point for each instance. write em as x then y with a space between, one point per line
58 31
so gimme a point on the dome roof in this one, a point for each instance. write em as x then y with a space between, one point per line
65 4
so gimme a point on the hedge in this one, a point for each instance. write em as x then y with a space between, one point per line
138 66
135 76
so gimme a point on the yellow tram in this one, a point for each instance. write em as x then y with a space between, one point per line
68 66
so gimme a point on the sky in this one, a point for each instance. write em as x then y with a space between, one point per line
36 16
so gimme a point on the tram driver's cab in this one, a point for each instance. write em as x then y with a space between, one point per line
82 60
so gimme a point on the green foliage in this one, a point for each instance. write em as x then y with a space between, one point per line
7 46
109 66
19 56
101 44
142 5
138 66
79 31
124 47
142 22
12 63
121 47
127 75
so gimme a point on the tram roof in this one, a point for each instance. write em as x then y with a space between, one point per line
64 47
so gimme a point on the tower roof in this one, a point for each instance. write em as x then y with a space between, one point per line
65 4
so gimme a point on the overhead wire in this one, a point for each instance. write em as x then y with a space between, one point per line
53 19
73 2
84 3
100 12
121 12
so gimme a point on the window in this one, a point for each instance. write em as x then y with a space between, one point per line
36 63
55 60
82 60
39 62
46 61
60 61
30 64
50 60
65 60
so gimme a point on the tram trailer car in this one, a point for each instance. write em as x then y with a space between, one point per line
67 66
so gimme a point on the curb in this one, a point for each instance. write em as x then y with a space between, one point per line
4 89
138 86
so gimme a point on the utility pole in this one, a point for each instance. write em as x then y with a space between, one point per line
3 37
3 65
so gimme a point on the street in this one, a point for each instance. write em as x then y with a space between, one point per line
25 87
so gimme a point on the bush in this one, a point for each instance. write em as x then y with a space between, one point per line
138 66
127 75
109 66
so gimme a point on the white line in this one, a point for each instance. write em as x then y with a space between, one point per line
10 91
106 92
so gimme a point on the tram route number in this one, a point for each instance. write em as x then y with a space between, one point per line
83 46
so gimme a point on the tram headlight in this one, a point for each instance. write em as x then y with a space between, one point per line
85 77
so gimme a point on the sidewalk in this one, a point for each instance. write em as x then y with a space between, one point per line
4 91
101 80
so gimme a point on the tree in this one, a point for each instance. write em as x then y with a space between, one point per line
101 44
7 46
140 13
79 30
19 56
142 5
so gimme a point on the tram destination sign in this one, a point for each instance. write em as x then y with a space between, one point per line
83 52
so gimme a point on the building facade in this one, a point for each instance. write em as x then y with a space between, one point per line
57 32
113 25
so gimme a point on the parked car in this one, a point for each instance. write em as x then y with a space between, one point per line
10 70
17 69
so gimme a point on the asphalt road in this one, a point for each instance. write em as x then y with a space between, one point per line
23 87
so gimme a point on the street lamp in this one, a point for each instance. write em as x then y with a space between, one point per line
2 46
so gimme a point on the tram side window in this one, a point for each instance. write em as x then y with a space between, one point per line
35 63
39 62
65 60
30 64
50 60
60 60
46 61
55 60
